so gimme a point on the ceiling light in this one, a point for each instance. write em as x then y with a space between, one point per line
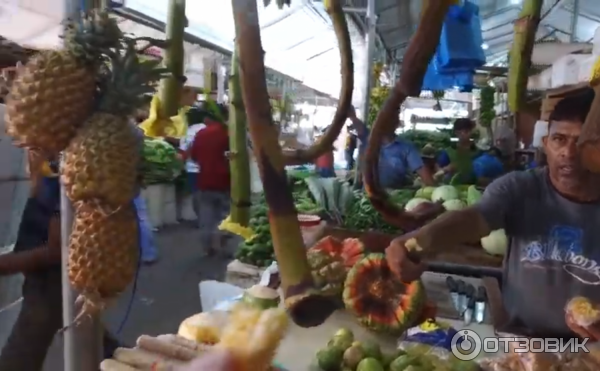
484 46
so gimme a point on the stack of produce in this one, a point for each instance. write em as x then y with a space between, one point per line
101 83
362 216
331 195
346 353
457 198
258 250
161 163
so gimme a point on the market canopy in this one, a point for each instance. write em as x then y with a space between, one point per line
299 41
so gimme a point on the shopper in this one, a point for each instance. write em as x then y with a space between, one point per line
37 255
350 148
398 158
210 150
324 164
550 215
195 118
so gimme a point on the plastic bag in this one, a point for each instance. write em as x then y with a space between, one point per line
177 125
429 338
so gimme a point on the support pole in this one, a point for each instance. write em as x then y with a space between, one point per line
574 21
82 344
366 88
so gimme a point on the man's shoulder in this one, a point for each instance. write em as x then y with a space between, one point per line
520 181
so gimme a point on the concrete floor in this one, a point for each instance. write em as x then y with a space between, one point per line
167 292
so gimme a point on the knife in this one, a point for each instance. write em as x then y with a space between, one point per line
480 304
468 313
453 288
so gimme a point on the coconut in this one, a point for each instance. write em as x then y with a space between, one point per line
261 297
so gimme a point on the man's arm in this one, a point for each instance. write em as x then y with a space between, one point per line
43 256
471 224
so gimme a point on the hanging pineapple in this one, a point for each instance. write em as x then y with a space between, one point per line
100 172
101 163
53 93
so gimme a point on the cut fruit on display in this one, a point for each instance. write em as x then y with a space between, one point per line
353 251
261 297
253 336
328 244
328 272
203 327
379 300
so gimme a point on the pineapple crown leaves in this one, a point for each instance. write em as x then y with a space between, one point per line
91 36
127 82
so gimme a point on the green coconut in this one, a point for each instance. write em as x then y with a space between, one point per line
261 297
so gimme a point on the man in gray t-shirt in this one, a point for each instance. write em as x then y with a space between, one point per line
551 216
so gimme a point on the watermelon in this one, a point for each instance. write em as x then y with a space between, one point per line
352 251
380 301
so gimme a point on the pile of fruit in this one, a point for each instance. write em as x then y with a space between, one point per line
161 163
345 353
258 250
77 102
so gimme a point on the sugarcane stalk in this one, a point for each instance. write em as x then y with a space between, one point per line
519 62
171 87
589 140
307 307
325 143
239 162
416 59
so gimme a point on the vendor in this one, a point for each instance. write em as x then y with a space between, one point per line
550 215
488 166
459 160
398 158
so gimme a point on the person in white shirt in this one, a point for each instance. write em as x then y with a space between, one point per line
195 118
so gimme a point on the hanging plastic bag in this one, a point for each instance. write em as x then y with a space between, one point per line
460 40
176 127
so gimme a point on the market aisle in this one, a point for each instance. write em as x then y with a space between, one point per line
167 292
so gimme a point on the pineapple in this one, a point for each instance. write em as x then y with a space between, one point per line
103 254
253 336
54 92
102 162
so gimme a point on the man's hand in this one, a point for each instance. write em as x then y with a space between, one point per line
427 211
400 261
218 360
591 332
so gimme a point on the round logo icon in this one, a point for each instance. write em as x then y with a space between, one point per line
466 345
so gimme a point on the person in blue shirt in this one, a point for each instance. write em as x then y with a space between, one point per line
488 166
397 160
37 255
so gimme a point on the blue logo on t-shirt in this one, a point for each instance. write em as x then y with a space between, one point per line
564 246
